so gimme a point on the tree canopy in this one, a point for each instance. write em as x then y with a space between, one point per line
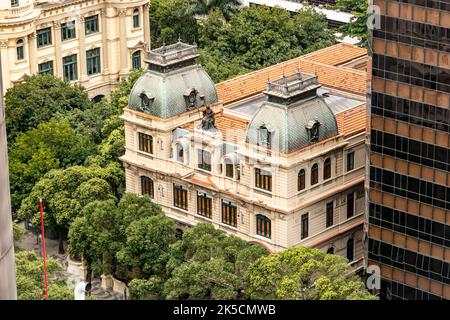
303 273
357 27
30 278
38 99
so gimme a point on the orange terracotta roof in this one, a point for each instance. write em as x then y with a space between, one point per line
335 55
352 121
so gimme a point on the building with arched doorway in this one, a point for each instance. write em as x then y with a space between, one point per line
92 43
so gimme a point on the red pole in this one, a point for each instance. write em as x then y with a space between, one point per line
41 207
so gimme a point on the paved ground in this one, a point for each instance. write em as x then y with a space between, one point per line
29 242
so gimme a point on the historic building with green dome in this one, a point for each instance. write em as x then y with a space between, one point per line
275 156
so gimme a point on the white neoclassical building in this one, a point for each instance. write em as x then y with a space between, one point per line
275 157
89 42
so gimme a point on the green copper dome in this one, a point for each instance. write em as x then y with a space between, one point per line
293 117
173 83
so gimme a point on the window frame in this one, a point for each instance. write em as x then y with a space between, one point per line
136 56
147 187
136 18
314 174
145 142
263 226
44 37
350 213
229 217
327 169
206 203
93 62
15 3
229 168
261 182
350 161
91 21
329 214
70 67
180 197
301 180
204 165
352 242
41 71
20 50
264 140
68 33
304 225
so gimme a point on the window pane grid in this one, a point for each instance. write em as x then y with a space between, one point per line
147 186
329 214
93 61
68 31
263 226
229 213
263 179
44 37
91 24
180 197
145 143
46 67
70 68
204 205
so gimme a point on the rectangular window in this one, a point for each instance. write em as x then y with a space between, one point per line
180 199
229 169
70 68
136 19
68 31
305 225
91 24
263 179
263 226
14 3
204 159
46 67
229 213
147 187
20 54
350 205
329 214
136 60
93 61
350 161
145 143
44 37
204 205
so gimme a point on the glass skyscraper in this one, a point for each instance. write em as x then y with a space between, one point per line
409 186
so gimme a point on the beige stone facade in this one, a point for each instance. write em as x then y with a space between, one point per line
36 36
172 161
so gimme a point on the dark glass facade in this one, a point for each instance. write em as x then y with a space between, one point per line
409 175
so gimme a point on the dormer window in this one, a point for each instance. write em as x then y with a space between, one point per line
264 137
313 130
190 97
146 101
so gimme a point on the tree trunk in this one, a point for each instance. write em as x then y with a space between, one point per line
88 270
61 243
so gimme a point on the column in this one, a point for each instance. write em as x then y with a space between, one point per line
82 75
32 55
124 70
4 64
147 39
57 63
104 50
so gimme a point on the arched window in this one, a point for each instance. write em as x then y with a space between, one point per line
264 137
330 250
229 168
263 226
19 47
314 174
327 169
179 153
136 60
147 186
301 180
136 22
350 249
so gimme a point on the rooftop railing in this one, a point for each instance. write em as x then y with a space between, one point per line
290 84
173 52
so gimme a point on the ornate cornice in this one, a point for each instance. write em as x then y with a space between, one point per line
121 12
32 35
4 43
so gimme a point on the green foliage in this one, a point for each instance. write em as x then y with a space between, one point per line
119 96
358 25
303 273
141 289
208 264
259 36
30 278
18 232
226 7
170 19
51 145
66 192
38 99
133 226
